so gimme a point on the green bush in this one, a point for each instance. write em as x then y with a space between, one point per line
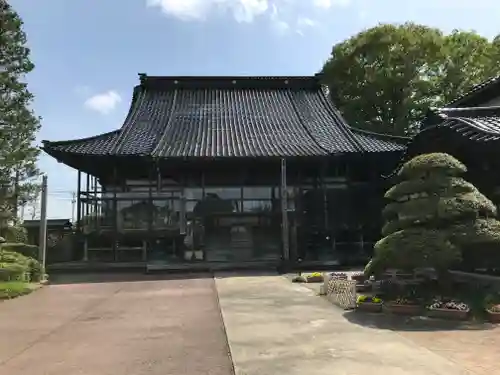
17 267
13 289
435 218
16 234
22 248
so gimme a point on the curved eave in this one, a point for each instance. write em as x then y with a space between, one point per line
452 130
96 145
479 94
372 142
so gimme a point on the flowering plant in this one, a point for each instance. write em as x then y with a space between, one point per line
449 305
315 274
338 276
368 299
494 308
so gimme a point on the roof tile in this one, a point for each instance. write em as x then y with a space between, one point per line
230 117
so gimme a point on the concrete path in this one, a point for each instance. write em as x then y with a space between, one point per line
119 326
276 327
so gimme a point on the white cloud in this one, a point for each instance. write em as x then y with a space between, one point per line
304 23
243 10
103 103
330 3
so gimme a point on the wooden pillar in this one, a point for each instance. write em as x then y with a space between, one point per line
95 204
85 249
78 202
87 195
284 215
115 216
151 177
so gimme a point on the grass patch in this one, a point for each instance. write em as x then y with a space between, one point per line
13 289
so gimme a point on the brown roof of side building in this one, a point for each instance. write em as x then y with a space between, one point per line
172 117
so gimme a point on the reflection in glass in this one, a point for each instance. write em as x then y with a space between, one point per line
165 213
193 193
233 193
257 192
213 204
257 206
133 214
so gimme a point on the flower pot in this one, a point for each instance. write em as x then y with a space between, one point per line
198 254
359 278
449 314
400 309
188 255
315 279
493 316
370 307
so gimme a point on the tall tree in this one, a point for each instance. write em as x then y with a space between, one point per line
384 79
18 123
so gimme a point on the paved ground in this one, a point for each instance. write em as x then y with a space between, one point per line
145 326
276 327
115 327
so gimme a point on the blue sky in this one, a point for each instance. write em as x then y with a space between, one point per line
88 52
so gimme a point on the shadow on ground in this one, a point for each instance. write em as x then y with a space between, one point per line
416 323
116 277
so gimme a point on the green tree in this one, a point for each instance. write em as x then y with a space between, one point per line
433 218
385 79
18 124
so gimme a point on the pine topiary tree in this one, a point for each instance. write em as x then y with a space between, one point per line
434 218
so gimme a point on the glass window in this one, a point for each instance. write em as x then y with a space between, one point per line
257 192
193 193
224 192
165 213
257 206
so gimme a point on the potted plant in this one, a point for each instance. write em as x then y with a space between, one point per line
448 309
359 277
338 276
369 303
492 307
403 306
315 277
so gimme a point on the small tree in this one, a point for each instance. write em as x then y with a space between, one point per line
433 217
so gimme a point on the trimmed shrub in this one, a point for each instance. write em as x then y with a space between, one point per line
17 267
22 248
434 218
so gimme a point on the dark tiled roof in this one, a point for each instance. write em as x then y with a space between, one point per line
478 124
231 117
96 145
479 94
374 142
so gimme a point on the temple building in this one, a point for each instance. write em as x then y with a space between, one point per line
229 171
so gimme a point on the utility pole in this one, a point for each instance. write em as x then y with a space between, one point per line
43 224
